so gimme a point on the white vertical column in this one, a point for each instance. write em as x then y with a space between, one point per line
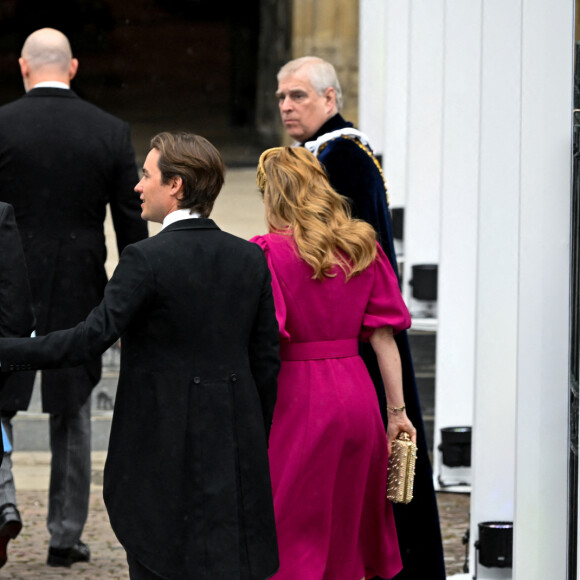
493 446
424 96
540 546
459 198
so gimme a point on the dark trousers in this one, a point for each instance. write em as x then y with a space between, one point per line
138 572
70 476
7 489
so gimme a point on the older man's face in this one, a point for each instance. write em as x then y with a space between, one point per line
302 109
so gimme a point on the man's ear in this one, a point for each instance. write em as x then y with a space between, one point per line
176 184
330 98
73 68
24 71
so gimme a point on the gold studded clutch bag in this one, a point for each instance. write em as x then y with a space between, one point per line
401 470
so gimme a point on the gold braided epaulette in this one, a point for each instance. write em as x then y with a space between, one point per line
368 152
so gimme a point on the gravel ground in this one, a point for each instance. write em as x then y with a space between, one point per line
454 515
27 554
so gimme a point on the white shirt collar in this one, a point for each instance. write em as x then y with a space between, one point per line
51 84
178 215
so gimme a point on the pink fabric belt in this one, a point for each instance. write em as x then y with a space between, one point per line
292 351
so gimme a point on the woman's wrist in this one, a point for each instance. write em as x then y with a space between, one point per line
393 410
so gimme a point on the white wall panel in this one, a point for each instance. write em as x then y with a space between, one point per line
372 90
395 127
497 269
459 199
477 139
425 87
543 282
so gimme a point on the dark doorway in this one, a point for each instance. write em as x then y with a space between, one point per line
158 64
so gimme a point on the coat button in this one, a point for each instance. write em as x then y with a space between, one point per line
73 236
196 380
234 377
11 367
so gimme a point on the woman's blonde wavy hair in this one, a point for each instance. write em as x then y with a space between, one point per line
297 194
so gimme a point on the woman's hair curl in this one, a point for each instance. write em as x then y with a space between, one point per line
298 195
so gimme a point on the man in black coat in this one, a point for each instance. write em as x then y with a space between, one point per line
16 319
310 98
62 160
187 483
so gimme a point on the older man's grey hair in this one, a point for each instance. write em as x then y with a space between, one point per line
320 73
47 47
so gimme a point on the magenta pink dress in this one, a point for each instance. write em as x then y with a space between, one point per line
328 448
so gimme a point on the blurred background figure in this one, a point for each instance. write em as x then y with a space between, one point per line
16 319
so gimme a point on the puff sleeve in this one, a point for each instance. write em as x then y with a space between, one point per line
279 302
385 305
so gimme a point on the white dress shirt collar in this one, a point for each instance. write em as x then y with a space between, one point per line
51 85
178 215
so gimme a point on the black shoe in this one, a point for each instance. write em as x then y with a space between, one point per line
10 526
65 557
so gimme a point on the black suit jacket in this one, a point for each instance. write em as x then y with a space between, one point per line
61 161
187 482
16 316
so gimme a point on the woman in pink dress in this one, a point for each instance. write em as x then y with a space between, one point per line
333 286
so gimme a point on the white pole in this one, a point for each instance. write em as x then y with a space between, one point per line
540 542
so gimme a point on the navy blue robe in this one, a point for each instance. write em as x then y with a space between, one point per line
356 174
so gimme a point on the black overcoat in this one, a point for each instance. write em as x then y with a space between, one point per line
61 161
16 316
187 483
355 173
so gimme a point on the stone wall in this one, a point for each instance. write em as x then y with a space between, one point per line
329 29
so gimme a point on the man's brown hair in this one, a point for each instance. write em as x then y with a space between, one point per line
197 162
